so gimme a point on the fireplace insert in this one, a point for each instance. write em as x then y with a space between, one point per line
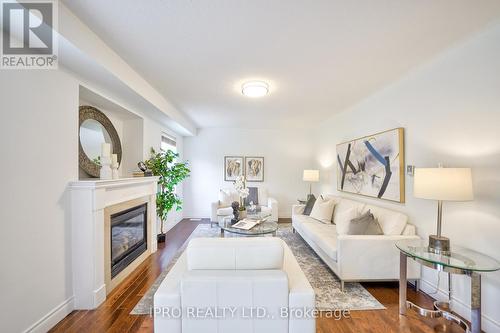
128 237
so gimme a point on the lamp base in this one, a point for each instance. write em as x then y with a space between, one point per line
439 245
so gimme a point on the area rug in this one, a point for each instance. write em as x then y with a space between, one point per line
329 296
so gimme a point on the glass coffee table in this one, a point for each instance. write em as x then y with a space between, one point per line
263 228
460 261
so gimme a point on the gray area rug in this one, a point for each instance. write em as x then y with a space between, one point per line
322 279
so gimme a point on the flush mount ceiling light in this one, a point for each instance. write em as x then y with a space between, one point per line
255 89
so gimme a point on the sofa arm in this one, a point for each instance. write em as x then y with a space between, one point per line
298 209
273 204
214 206
301 297
167 299
372 257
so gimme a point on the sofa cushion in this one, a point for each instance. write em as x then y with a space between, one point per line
392 223
235 253
344 205
343 220
323 210
323 235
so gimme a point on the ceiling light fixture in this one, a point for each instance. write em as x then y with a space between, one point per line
255 89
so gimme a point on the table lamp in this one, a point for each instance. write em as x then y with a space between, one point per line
442 184
311 176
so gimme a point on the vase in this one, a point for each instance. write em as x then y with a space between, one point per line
242 214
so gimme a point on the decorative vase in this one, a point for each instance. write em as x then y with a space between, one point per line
105 171
114 171
242 214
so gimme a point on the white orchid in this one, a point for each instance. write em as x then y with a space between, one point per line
240 187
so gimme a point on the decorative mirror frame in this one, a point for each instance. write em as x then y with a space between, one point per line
89 112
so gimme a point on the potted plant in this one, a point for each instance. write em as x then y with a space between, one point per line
243 191
164 164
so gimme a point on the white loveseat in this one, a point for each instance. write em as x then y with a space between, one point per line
222 207
358 257
236 274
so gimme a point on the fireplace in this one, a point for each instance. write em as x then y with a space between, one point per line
128 237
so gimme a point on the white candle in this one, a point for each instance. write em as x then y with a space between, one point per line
105 149
114 159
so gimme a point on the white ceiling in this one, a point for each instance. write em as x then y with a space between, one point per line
319 57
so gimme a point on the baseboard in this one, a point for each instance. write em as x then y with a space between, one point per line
458 306
99 295
53 317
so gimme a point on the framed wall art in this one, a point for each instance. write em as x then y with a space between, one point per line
233 167
254 169
373 166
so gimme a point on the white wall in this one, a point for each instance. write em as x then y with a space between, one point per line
39 156
286 154
39 151
450 110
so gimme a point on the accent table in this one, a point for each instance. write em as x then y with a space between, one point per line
460 261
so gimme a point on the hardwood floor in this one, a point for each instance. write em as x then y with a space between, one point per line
113 315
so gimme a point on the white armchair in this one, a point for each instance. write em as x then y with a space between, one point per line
222 207
238 275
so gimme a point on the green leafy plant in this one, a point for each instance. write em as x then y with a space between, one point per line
164 164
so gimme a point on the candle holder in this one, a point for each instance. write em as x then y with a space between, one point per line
114 170
105 171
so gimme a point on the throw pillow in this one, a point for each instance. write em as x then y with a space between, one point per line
225 198
323 210
253 196
374 228
309 204
358 225
343 219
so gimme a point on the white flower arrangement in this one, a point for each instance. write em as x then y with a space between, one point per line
240 187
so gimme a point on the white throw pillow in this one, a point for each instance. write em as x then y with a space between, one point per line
343 220
226 198
323 210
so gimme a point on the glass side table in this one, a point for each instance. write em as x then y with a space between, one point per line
460 261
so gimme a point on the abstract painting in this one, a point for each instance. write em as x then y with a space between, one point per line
254 167
233 168
373 166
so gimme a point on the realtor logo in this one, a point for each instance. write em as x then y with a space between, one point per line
29 39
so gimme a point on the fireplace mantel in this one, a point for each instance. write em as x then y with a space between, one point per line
89 199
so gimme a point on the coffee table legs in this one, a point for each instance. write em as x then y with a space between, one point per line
222 233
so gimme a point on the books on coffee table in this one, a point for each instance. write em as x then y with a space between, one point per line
247 224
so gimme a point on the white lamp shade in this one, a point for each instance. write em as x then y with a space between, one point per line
446 184
311 176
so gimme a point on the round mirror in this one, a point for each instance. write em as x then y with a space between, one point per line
92 136
95 129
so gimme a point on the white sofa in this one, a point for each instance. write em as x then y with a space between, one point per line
238 274
266 204
358 257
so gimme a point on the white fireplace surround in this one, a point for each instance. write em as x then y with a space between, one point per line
89 199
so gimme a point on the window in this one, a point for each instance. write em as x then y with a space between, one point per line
168 143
